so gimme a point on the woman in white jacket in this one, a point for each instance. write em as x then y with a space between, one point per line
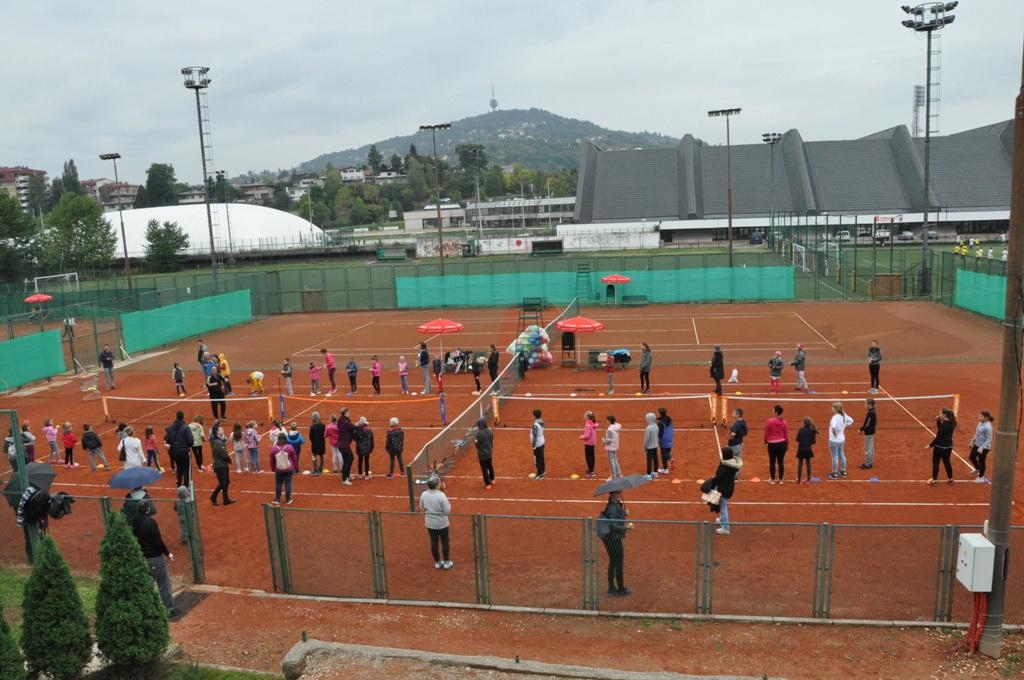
611 445
132 447
837 440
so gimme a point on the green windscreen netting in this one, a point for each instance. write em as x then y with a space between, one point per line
29 358
163 325
669 285
981 293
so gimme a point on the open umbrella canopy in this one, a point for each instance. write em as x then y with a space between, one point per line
579 324
616 278
38 297
440 326
132 478
621 484
40 475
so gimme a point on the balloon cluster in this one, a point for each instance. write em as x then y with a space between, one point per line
533 343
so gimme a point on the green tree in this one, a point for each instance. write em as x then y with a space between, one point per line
493 181
160 185
413 152
359 214
165 245
374 159
54 633
142 197
36 194
70 178
16 232
56 191
281 200
321 213
131 622
472 157
332 184
76 234
12 667
396 162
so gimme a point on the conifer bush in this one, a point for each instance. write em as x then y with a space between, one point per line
54 632
11 665
131 621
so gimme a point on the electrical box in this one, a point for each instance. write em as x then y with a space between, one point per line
975 563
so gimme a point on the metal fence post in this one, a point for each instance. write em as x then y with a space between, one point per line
272 540
824 561
705 552
587 566
380 582
105 510
195 542
282 547
945 573
411 484
483 585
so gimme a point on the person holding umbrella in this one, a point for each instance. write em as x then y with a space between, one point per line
611 528
31 503
718 368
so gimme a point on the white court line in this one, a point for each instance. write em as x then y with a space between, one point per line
569 501
695 335
333 337
928 429
797 315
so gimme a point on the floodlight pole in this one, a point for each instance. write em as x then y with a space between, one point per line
927 18
771 139
120 214
437 186
728 166
1007 435
196 79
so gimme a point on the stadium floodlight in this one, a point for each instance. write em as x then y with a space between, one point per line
771 139
120 212
727 113
196 79
433 128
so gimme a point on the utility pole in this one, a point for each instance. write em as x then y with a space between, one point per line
120 214
479 219
1006 434
437 185
728 113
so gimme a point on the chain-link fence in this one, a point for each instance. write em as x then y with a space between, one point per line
782 570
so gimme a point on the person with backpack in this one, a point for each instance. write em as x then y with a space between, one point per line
484 441
394 445
296 440
364 447
221 468
130 448
611 528
724 483
666 437
178 440
283 463
91 443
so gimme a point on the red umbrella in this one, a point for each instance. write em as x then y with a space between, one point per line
579 324
440 327
38 297
616 278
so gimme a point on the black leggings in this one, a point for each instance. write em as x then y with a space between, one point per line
666 457
376 383
439 536
223 480
613 545
182 467
977 458
197 453
487 468
645 380
476 379
364 463
777 455
588 454
346 463
652 460
352 382
538 459
940 454
800 467
69 455
392 458
873 370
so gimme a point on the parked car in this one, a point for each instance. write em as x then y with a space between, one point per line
905 236
933 235
756 238
882 235
843 236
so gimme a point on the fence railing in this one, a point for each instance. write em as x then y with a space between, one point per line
790 571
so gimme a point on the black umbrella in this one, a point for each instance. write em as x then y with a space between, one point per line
40 475
621 484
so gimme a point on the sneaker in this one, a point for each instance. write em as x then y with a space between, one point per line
230 502
979 480
488 487
975 473
931 482
438 565
985 479
347 482
843 474
289 501
447 565
833 475
276 501
625 592
722 531
718 520
949 481
613 592
873 391
540 476
649 477
389 476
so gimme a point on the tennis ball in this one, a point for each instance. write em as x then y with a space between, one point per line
755 479
700 481
529 394
677 481
572 394
415 393
532 475
639 394
574 476
600 394
845 392
739 392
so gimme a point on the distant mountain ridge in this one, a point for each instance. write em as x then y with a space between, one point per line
535 138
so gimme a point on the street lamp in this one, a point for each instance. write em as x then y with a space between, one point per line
437 185
771 139
120 213
728 165
196 79
927 18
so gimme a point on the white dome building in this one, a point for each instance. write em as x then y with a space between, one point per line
252 227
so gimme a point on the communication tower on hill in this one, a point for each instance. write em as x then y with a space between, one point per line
493 102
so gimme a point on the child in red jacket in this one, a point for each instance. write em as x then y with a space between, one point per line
70 441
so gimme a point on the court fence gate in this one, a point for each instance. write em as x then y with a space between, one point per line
773 571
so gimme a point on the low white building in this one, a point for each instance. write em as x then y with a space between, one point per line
453 216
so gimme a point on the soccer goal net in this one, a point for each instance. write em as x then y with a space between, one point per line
56 282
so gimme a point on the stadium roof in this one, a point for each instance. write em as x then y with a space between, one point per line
880 173
252 227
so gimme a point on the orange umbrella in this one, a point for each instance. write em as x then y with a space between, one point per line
579 324
616 278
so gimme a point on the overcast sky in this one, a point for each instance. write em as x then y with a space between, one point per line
292 80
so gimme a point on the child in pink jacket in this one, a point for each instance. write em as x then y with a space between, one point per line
589 438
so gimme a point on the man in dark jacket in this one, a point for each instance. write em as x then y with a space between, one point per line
611 529
215 386
485 451
346 432
147 533
178 438
718 368
492 365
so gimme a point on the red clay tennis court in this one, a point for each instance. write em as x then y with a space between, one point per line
932 352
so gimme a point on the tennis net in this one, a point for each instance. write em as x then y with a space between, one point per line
893 412
442 452
154 411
